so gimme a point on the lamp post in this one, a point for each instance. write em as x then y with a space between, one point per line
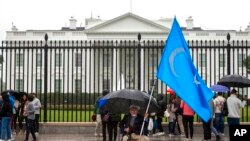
228 54
139 61
45 75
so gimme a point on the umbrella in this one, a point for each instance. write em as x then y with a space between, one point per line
170 91
234 80
119 101
219 88
17 95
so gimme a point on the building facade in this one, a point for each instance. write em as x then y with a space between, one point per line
89 67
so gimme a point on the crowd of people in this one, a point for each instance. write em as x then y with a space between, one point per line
24 112
180 117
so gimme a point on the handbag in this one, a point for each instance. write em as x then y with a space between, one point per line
166 113
150 124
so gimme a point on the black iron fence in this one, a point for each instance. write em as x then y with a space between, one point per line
68 76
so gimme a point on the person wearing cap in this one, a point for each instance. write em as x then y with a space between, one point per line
234 104
131 125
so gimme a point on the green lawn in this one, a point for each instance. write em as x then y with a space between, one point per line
85 116
67 116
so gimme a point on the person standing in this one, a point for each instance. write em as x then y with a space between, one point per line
219 117
188 120
178 113
98 127
160 114
112 125
31 118
37 105
172 117
105 118
234 104
6 114
23 112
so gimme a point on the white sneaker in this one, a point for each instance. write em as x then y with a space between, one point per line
161 133
96 134
171 135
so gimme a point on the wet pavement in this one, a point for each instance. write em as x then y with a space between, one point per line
85 137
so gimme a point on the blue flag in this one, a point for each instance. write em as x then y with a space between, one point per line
177 70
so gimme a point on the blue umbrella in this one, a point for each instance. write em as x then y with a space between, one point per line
219 88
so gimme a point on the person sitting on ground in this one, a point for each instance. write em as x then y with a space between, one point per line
131 125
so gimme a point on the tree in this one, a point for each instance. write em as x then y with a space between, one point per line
246 63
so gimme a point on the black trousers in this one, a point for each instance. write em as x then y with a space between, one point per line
112 128
14 120
20 120
36 122
30 129
104 129
207 129
188 122
159 121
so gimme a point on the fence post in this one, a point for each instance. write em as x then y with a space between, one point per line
228 55
45 76
139 61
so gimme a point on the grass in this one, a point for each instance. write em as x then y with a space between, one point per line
85 116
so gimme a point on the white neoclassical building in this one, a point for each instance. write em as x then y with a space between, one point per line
124 27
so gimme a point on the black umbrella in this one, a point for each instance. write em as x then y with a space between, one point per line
119 101
234 80
17 95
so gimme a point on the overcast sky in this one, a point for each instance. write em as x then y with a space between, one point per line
53 14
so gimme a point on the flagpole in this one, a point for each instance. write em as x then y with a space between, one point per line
150 97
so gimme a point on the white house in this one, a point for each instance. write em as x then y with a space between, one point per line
124 27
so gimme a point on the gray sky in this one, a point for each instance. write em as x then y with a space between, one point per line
53 14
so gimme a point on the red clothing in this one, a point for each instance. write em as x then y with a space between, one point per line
187 111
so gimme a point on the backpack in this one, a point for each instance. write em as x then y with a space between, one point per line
224 110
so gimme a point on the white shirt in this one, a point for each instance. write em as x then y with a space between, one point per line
218 102
37 105
234 104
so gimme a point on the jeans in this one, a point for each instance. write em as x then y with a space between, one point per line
36 122
159 121
171 127
30 128
233 121
219 122
5 128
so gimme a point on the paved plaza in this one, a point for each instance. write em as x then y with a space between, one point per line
83 137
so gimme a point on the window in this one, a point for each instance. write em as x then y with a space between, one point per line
222 60
38 85
19 60
241 58
38 60
78 85
202 60
19 85
78 60
58 60
106 60
58 85
106 84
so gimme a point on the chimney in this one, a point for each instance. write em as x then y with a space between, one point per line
13 28
72 23
190 24
248 28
